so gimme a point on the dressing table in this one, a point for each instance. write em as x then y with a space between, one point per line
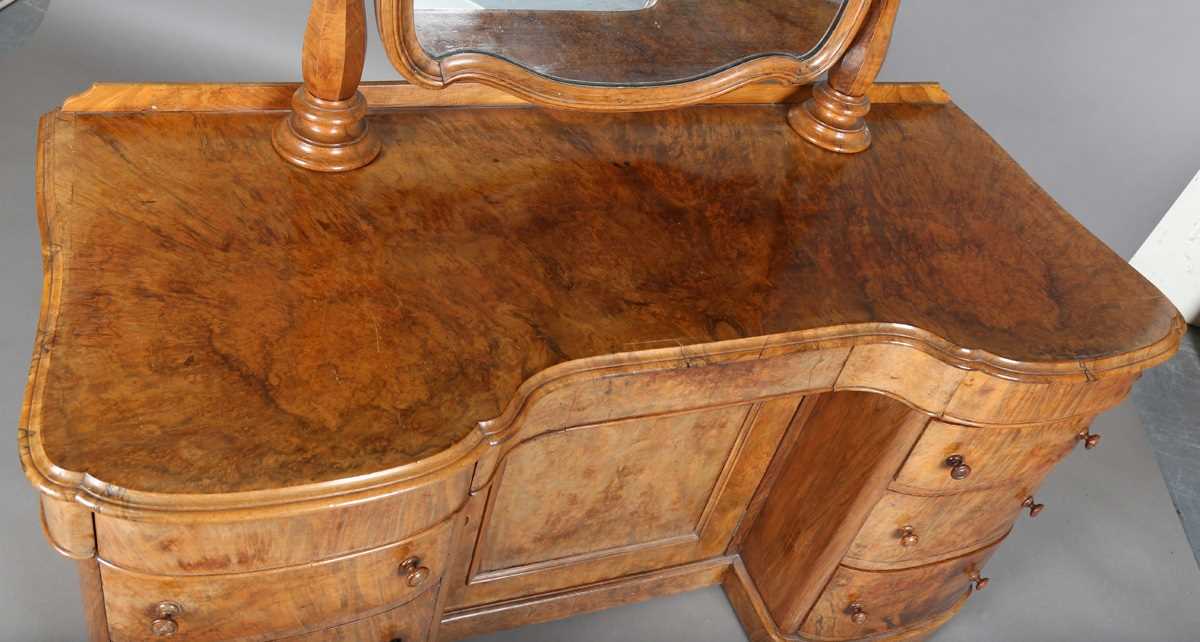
597 306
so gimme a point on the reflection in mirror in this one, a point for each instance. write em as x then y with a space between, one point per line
624 42
536 5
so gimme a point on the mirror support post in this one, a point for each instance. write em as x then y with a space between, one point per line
833 118
327 130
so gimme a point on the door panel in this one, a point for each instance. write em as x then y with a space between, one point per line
595 502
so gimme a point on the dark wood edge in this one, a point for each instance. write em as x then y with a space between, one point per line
410 59
243 97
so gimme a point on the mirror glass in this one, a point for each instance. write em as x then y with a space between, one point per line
625 42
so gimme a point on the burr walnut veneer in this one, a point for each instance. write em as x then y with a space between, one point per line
530 363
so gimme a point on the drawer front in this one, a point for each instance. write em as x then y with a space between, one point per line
220 547
909 530
412 622
992 456
272 604
889 601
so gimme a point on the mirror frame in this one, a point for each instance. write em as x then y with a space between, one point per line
397 30
327 128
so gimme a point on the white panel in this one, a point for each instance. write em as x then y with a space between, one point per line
1170 258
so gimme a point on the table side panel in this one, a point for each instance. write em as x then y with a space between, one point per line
847 451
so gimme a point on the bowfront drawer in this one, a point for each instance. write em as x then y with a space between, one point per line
246 546
857 603
409 623
910 530
950 458
272 604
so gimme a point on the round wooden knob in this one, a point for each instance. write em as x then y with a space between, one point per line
858 613
959 470
165 625
908 537
1089 439
978 580
416 573
1035 508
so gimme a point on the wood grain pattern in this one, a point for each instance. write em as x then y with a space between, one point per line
92 591
945 527
327 130
589 348
779 462
892 600
388 380
627 498
997 456
987 400
69 528
465 623
271 604
855 72
847 452
410 622
877 367
669 468
335 49
833 118
201 97
759 627
207 546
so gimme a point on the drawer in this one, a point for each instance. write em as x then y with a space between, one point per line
889 601
271 604
991 456
245 546
941 527
412 622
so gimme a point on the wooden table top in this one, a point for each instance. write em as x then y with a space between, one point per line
217 320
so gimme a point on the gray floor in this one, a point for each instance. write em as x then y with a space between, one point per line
1107 561
1168 401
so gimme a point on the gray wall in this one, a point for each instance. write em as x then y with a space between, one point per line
1094 97
1097 99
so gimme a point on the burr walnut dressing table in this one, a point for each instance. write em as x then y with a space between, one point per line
598 306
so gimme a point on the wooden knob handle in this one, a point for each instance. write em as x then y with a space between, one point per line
908 537
1089 439
858 613
164 626
416 573
959 470
1035 508
978 580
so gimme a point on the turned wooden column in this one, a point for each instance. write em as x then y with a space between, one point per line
833 117
327 129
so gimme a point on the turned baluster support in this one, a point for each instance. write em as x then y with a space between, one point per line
327 129
833 118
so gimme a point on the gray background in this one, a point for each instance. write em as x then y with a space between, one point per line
1096 98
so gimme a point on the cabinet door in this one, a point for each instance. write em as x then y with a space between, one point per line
600 501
